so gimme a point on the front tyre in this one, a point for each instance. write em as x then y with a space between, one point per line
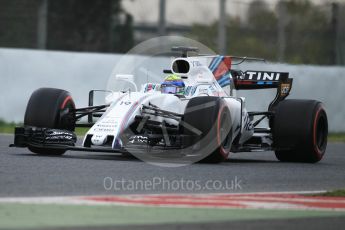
300 130
210 116
50 108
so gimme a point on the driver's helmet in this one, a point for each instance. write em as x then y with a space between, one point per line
173 84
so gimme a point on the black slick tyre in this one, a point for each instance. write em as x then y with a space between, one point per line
300 130
211 117
47 108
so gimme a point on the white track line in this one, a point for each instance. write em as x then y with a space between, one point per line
59 198
81 199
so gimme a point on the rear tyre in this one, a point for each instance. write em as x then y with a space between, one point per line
210 116
48 108
300 130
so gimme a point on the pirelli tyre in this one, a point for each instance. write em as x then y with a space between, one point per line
48 108
300 130
209 120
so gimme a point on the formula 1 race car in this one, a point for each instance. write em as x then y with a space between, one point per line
203 122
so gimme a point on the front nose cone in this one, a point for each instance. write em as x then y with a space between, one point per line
98 139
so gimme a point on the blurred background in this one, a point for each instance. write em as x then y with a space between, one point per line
291 31
75 44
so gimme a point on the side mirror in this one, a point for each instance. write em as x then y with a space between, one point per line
127 78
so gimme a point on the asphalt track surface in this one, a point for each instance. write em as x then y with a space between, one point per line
24 174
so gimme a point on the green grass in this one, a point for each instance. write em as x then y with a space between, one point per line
43 216
6 127
81 131
336 137
337 193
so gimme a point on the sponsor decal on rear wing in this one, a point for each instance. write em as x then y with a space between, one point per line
260 79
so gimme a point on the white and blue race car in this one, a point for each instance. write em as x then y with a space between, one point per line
202 122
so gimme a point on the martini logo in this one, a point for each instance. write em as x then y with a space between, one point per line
262 76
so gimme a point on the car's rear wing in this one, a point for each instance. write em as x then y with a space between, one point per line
259 79
264 80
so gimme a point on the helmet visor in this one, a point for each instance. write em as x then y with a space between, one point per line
169 89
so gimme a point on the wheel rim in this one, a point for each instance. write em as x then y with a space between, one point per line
321 133
224 131
67 121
